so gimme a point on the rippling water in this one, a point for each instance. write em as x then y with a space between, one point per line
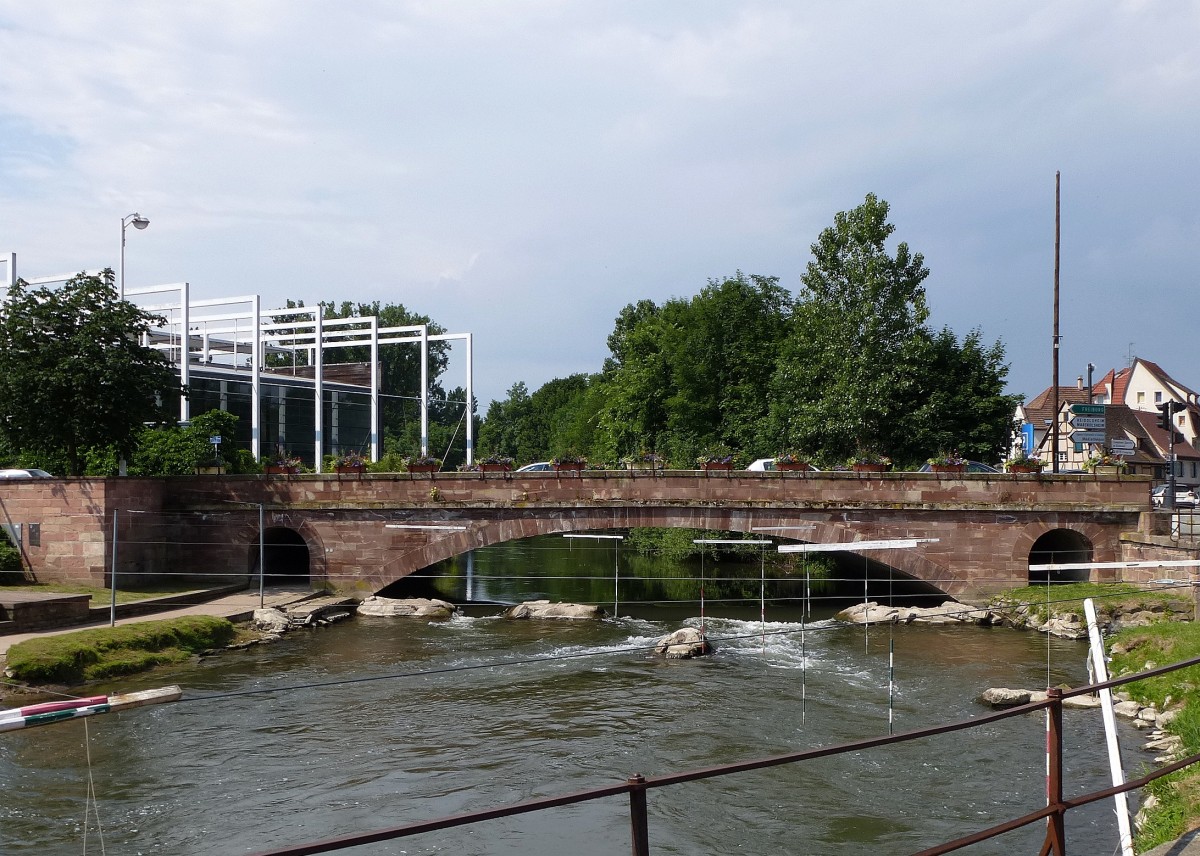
220 773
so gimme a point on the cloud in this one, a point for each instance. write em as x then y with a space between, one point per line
533 167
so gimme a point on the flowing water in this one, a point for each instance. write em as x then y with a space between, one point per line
477 712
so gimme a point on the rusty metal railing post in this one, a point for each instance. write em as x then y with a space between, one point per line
1056 837
638 822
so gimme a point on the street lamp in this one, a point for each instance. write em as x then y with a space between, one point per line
138 222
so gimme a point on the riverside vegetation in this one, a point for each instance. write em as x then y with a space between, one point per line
1145 629
89 655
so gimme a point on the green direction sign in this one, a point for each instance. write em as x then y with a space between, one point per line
1088 408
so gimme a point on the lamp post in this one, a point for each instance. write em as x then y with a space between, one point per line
138 222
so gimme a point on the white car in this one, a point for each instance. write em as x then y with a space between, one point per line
1185 497
767 465
25 474
539 467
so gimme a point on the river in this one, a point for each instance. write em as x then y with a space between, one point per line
420 734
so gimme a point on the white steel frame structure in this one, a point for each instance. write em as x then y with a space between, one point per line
221 330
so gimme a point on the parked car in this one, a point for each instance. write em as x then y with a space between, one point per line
767 465
1185 497
539 467
25 474
972 467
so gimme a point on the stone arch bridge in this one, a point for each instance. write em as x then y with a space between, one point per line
346 527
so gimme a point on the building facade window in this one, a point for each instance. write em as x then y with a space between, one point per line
1141 398
1158 398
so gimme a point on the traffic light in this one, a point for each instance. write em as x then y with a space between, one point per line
1164 415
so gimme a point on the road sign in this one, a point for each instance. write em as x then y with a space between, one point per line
1123 453
1088 422
1119 443
1087 437
1095 409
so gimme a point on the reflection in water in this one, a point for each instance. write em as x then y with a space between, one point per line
477 712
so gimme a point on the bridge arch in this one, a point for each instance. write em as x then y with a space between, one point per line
915 564
1060 546
292 551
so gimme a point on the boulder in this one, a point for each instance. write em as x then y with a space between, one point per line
1128 709
683 644
950 612
417 607
546 609
1005 697
271 620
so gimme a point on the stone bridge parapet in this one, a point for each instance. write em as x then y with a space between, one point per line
985 525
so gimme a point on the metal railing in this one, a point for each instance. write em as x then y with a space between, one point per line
637 786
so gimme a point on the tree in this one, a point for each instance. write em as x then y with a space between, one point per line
74 375
960 402
171 450
723 358
862 369
847 372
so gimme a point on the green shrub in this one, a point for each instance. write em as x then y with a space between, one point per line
88 655
10 562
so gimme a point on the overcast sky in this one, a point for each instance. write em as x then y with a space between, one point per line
522 170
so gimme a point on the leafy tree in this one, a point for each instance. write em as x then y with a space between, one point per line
861 367
171 450
74 375
637 380
847 372
723 359
505 424
558 418
960 402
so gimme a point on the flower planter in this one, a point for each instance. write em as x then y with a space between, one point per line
1021 468
422 468
495 468
869 468
568 467
794 467
350 469
716 467
280 471
948 468
1107 470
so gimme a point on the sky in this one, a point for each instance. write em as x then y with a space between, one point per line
523 170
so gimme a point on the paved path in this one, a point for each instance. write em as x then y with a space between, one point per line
232 606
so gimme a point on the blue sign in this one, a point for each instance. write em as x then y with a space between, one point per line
1027 438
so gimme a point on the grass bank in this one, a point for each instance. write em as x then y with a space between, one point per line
88 655
1169 638
1176 808
1068 598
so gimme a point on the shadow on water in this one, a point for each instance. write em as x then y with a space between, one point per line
603 573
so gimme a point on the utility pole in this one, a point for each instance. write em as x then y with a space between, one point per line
1054 383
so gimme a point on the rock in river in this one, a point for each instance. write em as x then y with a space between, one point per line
546 609
418 607
683 644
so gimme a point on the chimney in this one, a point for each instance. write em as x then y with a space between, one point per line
1079 383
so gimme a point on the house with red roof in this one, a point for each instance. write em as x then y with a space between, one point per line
1132 397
